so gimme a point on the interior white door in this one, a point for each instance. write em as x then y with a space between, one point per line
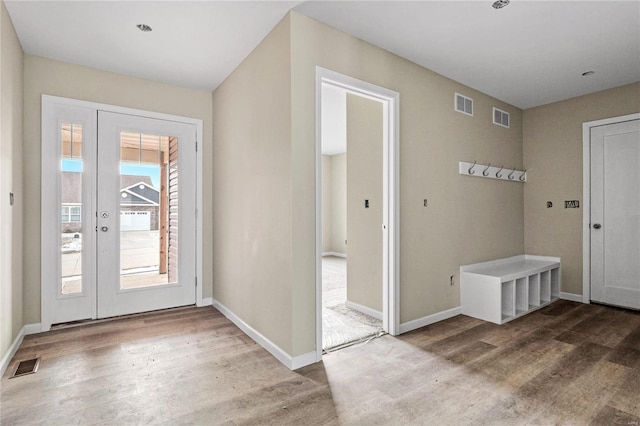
615 214
145 165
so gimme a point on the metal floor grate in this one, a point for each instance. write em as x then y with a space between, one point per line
29 366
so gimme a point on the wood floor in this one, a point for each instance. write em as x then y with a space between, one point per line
568 364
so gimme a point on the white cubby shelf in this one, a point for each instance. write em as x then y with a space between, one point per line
502 290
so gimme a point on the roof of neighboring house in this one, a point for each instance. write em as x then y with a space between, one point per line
140 193
71 189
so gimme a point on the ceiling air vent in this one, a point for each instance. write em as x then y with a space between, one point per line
500 117
463 104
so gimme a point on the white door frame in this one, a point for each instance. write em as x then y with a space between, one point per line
390 217
49 174
586 197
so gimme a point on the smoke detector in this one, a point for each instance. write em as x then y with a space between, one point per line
499 4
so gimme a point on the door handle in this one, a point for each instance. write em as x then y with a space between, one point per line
104 228
597 226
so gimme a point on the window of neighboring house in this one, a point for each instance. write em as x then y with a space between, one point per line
70 214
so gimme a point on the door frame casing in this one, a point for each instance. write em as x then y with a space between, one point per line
586 196
391 213
49 103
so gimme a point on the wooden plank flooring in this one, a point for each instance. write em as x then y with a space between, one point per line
568 363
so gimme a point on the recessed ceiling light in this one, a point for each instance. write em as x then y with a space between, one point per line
588 73
499 4
144 28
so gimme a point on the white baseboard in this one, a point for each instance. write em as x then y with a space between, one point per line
429 319
334 253
32 329
293 363
8 356
207 301
364 309
571 296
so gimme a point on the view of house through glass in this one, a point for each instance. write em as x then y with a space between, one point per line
148 210
71 208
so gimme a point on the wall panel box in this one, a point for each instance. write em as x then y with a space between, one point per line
505 289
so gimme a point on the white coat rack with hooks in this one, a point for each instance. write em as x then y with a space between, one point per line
492 172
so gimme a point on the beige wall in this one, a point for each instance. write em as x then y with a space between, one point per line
334 203
44 76
11 223
364 177
339 203
468 219
552 139
326 203
252 232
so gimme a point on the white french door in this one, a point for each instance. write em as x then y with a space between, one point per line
119 199
145 166
615 214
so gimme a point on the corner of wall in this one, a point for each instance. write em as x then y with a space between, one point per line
11 212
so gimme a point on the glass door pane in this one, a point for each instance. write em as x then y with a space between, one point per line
71 225
148 210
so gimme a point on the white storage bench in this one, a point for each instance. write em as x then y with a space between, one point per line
505 289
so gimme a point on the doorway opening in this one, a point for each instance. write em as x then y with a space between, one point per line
356 219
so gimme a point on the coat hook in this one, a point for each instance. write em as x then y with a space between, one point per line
498 174
485 172
522 176
510 175
471 171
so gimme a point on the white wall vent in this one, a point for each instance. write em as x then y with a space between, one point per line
463 104
500 117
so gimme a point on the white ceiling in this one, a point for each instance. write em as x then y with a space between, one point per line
527 54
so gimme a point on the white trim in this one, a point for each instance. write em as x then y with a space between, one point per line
391 205
571 296
334 253
364 310
586 196
290 362
8 356
53 100
430 319
32 329
207 301
302 360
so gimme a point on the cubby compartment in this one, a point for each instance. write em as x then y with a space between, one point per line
522 295
508 300
545 287
502 290
555 283
534 291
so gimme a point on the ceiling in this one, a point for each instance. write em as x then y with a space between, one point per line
527 54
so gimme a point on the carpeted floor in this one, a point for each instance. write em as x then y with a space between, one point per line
341 325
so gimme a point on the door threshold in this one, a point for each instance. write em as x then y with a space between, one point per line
80 323
609 305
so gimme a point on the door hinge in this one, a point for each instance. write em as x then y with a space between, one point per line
196 146
196 282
